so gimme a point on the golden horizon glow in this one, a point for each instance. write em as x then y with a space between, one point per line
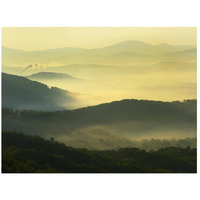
162 77
42 38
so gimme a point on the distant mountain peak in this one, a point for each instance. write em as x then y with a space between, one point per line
164 45
129 43
50 75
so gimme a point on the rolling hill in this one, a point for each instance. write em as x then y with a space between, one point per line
33 154
108 125
20 93
49 75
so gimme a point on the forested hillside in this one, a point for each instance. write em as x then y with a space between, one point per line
108 125
33 154
21 93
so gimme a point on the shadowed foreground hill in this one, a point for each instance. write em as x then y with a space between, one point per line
109 125
20 93
33 154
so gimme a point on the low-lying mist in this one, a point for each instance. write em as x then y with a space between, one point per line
111 125
95 84
127 70
101 139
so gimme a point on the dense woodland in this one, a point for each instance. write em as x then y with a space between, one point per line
179 115
33 154
109 125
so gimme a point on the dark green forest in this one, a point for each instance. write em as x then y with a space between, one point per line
179 116
109 125
33 154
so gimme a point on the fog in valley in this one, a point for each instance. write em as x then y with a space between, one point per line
167 77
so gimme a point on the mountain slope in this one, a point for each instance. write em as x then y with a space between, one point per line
33 154
21 93
109 125
189 55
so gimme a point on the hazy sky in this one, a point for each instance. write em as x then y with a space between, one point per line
48 38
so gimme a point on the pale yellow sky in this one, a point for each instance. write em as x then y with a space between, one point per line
40 38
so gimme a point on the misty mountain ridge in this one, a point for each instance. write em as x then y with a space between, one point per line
50 75
21 93
128 43
187 51
108 125
88 56
144 48
14 51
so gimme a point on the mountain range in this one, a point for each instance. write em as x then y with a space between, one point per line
124 52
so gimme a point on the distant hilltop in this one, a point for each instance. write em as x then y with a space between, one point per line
106 55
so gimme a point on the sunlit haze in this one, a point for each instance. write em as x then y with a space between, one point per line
114 64
32 38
